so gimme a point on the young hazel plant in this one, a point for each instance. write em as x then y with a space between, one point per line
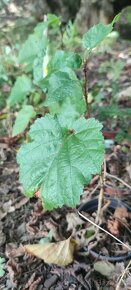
66 146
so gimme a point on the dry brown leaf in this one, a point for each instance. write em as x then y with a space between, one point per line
121 213
60 253
73 221
21 202
13 269
119 219
12 250
113 227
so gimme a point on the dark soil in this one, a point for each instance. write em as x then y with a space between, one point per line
23 222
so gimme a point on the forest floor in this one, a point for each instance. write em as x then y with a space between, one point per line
23 221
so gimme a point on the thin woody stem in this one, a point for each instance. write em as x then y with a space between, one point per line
87 114
100 198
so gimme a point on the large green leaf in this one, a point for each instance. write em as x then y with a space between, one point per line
20 90
23 118
96 34
60 161
63 84
63 59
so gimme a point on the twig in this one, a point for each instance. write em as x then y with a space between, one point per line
10 140
122 276
87 114
92 192
100 197
100 200
117 178
105 231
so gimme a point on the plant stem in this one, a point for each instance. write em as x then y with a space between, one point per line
87 114
100 198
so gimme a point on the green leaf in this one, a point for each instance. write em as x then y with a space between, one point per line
59 161
31 49
63 84
53 20
105 268
63 59
47 239
23 118
2 266
20 90
38 69
40 27
71 37
89 232
37 42
68 110
96 34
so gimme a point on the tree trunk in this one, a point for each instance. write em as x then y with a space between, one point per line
93 11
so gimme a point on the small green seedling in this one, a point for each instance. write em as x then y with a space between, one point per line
66 146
